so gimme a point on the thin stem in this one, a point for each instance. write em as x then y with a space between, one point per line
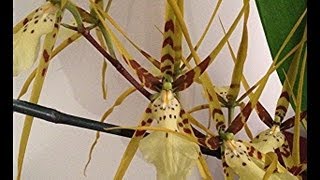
108 6
74 11
86 33
115 63
107 40
54 116
230 115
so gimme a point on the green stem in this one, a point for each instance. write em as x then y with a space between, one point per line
74 11
230 114
107 40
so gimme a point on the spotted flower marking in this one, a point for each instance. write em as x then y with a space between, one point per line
242 159
269 140
172 155
222 91
237 158
27 40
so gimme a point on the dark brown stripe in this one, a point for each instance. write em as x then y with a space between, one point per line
184 81
296 170
166 68
188 131
185 121
259 154
214 142
286 153
234 85
219 124
202 141
140 133
134 64
143 123
148 110
250 153
216 111
167 41
25 21
169 72
264 115
285 95
289 123
167 57
238 122
281 108
224 164
169 26
182 112
204 64
209 95
44 71
149 121
45 55
280 159
145 54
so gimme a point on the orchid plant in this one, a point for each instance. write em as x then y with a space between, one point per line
173 145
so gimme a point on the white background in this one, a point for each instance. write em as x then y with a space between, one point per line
73 86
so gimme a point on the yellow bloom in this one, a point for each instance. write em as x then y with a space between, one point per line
172 155
241 159
26 41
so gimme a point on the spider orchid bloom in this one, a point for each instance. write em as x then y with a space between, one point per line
242 161
269 140
172 155
26 41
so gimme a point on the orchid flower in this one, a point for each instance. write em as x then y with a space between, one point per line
26 41
173 156
250 163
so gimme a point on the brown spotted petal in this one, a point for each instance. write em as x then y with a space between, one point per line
269 140
289 123
27 40
240 159
173 156
264 115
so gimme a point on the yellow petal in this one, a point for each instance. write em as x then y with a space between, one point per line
268 140
173 156
240 162
27 40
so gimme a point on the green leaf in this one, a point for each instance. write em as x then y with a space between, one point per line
278 17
